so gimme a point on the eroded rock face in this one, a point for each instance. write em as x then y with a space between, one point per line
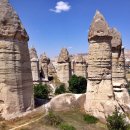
10 24
64 56
34 65
63 68
99 88
118 70
16 93
67 102
80 67
51 70
44 61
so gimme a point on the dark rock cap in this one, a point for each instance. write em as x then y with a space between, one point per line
64 56
10 24
99 27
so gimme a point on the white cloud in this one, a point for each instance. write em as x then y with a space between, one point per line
61 6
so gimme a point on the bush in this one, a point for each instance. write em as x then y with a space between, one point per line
77 84
52 119
89 119
61 89
41 91
65 126
116 121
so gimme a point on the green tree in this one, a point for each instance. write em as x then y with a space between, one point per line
61 89
77 84
116 121
41 91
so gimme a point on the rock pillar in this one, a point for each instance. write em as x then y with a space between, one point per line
16 86
44 61
64 69
99 87
80 67
34 65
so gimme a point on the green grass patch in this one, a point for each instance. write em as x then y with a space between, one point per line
65 126
89 119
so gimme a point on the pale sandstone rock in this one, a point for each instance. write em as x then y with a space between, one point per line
80 67
118 70
34 65
16 93
44 61
51 70
99 88
67 102
63 67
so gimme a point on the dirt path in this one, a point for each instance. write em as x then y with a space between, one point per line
33 121
20 126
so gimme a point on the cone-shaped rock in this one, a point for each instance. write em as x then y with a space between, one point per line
64 68
10 24
99 27
44 61
34 65
16 93
64 56
99 94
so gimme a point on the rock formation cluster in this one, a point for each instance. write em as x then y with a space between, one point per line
107 87
16 92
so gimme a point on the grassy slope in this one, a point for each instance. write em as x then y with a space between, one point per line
73 118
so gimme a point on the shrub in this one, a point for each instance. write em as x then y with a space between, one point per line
61 89
89 119
116 121
52 119
77 84
65 126
41 91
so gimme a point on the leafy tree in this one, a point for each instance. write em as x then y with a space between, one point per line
61 89
116 121
77 84
41 91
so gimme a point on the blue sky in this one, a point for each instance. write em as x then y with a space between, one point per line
53 24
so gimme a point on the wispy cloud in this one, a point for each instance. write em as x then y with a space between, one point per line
61 7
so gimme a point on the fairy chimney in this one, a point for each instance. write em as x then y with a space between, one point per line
63 69
99 94
34 65
16 93
80 67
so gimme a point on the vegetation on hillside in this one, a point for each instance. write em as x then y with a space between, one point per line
77 84
90 119
61 89
116 121
41 91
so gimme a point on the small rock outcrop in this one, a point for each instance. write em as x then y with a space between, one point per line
16 93
44 61
34 65
80 67
63 68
